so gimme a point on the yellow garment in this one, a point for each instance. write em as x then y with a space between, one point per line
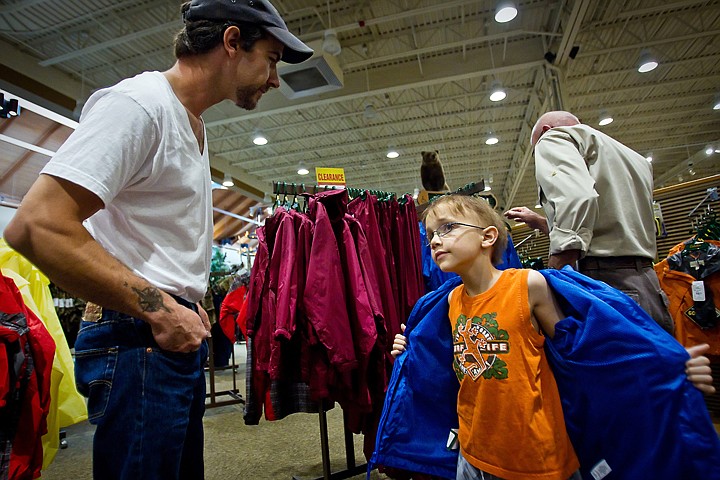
67 406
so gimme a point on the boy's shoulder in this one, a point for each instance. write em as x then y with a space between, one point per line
535 277
536 283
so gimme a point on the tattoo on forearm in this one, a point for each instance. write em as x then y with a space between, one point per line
150 299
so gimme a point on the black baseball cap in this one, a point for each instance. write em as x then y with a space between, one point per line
258 12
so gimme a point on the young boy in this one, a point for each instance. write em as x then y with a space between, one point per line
511 422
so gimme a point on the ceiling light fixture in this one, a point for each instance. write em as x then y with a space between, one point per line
497 93
369 112
492 139
709 150
228 181
647 62
259 139
605 118
505 11
331 44
716 105
302 169
392 153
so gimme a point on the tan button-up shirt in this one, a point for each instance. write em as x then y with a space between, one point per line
596 193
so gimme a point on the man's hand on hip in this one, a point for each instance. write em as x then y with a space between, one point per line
177 328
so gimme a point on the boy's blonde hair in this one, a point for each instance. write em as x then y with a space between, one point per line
476 206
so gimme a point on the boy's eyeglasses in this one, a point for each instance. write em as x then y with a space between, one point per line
446 228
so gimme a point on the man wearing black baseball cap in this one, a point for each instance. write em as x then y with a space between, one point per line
258 12
126 203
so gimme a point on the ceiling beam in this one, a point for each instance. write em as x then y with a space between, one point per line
572 28
52 128
698 157
648 43
175 25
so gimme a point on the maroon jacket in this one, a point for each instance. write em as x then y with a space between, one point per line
325 301
363 209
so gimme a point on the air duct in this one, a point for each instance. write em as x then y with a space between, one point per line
320 74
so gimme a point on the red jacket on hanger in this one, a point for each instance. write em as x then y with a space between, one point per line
26 345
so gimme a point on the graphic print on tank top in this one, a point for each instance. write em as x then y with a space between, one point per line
478 347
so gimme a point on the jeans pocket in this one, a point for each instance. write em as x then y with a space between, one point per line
94 372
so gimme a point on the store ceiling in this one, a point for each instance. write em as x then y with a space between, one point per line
425 66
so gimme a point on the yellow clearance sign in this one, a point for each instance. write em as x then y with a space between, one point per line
330 176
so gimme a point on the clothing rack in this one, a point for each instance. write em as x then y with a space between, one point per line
712 195
524 240
351 470
469 189
294 189
233 393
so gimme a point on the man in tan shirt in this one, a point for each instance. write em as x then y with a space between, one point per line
597 195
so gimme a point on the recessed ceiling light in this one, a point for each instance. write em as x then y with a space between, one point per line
605 119
505 11
497 93
647 62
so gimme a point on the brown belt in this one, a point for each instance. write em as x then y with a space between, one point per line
602 263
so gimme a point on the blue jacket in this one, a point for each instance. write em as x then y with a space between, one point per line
420 402
635 409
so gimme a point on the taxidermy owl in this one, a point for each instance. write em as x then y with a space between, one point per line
431 172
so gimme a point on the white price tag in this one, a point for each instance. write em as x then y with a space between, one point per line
452 442
600 470
698 291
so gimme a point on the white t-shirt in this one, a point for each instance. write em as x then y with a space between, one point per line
135 150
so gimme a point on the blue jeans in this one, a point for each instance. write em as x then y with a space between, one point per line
465 471
147 403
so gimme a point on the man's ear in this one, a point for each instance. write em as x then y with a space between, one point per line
231 39
545 128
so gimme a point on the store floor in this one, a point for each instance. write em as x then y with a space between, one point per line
277 450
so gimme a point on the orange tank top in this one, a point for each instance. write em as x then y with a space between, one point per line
511 420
